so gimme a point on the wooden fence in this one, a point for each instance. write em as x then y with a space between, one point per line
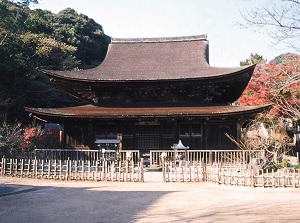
101 170
155 159
183 172
239 175
205 156
84 154
77 154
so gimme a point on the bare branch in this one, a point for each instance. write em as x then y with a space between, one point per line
279 21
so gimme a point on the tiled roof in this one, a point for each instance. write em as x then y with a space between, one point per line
95 112
151 59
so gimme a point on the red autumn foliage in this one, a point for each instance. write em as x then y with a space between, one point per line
36 137
30 136
273 80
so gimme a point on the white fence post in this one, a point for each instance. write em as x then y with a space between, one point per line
3 167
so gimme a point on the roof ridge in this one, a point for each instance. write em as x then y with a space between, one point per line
159 39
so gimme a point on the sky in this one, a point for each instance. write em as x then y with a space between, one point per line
229 43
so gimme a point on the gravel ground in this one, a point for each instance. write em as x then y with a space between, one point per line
32 200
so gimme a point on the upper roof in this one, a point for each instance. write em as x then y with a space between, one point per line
151 59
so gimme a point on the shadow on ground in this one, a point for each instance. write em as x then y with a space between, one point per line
33 200
22 203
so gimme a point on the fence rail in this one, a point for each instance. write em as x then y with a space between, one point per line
77 154
236 174
101 170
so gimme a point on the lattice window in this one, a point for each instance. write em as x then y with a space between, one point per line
148 137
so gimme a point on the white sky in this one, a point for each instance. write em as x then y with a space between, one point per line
228 42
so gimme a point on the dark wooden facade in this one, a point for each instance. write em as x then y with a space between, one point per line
150 93
150 128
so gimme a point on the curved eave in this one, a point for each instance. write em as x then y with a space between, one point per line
94 112
231 73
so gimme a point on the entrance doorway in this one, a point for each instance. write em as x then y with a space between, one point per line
147 137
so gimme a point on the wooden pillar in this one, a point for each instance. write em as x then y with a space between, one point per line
176 130
62 136
119 136
238 130
206 134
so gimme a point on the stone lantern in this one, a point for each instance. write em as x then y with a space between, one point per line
178 147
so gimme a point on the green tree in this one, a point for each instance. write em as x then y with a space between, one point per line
84 33
253 59
28 43
27 2
24 3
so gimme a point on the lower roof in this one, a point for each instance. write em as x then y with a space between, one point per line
95 112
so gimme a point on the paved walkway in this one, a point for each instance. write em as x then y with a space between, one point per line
32 200
152 175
